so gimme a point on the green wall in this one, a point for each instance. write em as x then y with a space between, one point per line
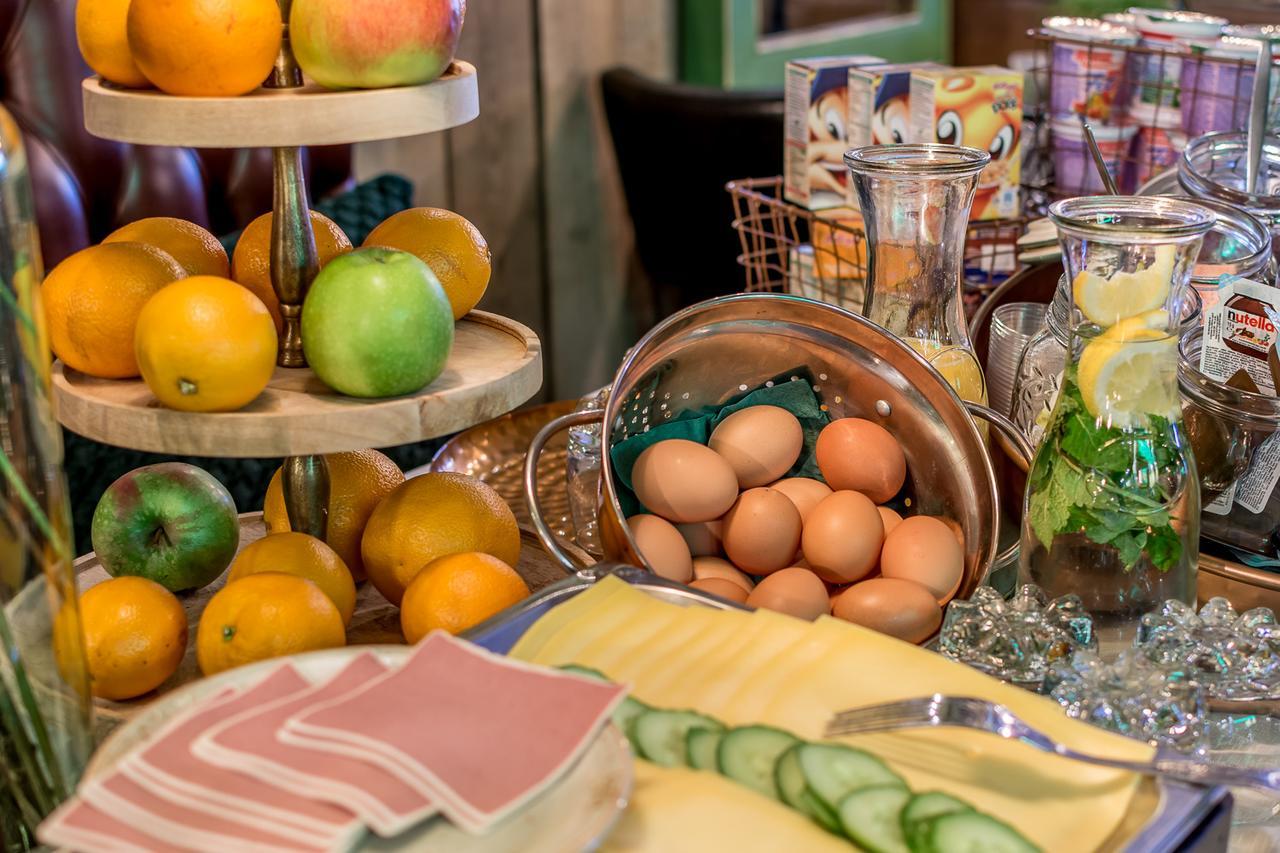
720 44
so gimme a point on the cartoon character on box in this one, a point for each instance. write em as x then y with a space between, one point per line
891 121
986 114
828 133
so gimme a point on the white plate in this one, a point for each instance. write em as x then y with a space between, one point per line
576 813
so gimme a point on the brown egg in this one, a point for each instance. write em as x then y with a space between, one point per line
798 592
684 481
891 606
804 492
762 531
703 537
721 587
761 443
662 547
862 456
706 568
955 528
842 537
924 550
890 518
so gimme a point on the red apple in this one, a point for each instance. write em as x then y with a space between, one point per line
373 44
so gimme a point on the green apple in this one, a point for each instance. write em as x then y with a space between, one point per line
172 523
376 323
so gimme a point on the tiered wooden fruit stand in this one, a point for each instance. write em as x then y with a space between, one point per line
495 364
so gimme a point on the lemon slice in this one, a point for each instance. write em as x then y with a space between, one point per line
1124 381
1137 328
1107 301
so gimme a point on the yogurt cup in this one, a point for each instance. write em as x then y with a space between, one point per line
1074 171
1090 67
1123 19
1165 33
1217 84
1155 150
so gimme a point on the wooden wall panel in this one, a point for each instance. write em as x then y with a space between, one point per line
535 171
588 233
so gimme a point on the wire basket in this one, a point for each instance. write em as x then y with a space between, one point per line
1143 104
823 254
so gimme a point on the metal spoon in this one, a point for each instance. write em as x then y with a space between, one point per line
1107 182
1258 115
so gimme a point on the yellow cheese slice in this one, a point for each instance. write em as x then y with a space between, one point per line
795 675
549 625
676 810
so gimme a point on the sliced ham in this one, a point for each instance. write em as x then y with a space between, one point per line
77 825
167 768
247 744
479 734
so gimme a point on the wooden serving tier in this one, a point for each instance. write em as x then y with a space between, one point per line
277 118
495 365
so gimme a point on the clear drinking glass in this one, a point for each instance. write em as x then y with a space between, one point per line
1112 507
45 708
915 200
583 465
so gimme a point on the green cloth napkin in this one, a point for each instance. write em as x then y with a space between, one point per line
796 396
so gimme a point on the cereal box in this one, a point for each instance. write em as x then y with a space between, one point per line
879 99
978 108
817 120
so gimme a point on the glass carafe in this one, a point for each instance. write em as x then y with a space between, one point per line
1112 507
915 201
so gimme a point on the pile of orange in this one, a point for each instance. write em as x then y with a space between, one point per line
183 47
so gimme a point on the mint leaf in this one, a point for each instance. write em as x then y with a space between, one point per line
1164 548
1130 544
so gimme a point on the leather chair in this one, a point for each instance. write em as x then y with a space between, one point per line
677 145
86 187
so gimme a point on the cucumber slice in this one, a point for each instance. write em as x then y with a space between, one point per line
974 832
747 755
660 735
872 818
923 808
793 791
700 748
625 713
578 669
833 771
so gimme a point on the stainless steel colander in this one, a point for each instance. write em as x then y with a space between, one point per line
715 350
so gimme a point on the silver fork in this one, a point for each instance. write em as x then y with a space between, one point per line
970 713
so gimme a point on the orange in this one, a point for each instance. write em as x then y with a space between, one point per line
100 32
357 481
135 634
194 247
457 592
205 48
205 344
432 516
92 301
304 556
265 616
251 261
455 250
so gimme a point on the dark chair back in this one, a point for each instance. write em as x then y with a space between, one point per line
677 146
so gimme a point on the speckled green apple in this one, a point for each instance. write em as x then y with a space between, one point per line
372 44
172 523
376 323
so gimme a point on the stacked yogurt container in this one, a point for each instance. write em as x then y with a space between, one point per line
1090 77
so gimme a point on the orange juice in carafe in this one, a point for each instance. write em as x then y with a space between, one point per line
915 201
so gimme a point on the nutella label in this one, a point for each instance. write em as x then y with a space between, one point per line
1247 330
1238 332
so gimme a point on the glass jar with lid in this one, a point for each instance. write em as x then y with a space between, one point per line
1212 167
